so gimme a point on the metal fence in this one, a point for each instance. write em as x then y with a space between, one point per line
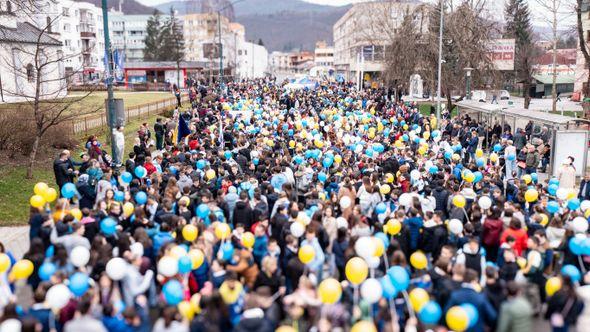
92 121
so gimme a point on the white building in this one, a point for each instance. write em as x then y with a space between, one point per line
128 33
323 60
252 61
362 33
24 48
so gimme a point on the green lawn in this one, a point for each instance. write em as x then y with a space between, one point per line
15 191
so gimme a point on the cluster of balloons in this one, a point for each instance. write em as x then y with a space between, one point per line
462 317
43 194
180 260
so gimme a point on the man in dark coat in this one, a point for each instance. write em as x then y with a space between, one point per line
63 174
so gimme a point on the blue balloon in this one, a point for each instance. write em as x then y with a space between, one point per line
497 148
369 152
327 162
173 170
511 157
433 169
173 292
202 211
478 176
227 251
552 207
108 226
383 237
227 154
298 159
126 177
322 177
255 161
554 181
405 137
50 251
448 155
572 272
480 162
389 291
576 245
201 164
119 196
435 133
430 313
46 270
399 277
140 198
552 189
68 190
535 177
381 208
573 204
140 172
79 283
472 313
291 132
185 264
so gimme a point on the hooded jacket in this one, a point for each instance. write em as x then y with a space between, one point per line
243 214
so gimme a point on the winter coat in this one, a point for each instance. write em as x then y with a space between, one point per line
492 229
243 214
414 225
519 235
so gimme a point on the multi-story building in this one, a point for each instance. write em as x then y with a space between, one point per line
252 61
128 33
363 32
323 60
21 66
581 72
301 62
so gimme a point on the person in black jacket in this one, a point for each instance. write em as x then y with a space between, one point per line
584 193
441 196
63 173
87 192
243 213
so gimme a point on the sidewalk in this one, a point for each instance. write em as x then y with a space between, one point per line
15 240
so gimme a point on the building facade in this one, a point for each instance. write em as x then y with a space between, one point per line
252 61
581 72
29 56
323 60
128 33
363 32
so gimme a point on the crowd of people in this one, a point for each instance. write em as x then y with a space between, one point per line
257 208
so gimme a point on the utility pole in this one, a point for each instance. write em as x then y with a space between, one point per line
440 41
109 79
220 51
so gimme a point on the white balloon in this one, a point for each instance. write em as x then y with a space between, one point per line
297 229
455 226
167 266
364 247
428 164
418 130
585 205
405 199
136 249
10 325
415 174
371 290
485 202
116 268
580 225
345 202
79 256
341 222
373 262
562 193
358 149
58 296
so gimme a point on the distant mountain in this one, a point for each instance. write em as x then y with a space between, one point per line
130 7
282 25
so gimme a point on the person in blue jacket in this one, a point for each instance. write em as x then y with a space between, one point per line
414 223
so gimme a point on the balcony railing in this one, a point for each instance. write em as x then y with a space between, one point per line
85 34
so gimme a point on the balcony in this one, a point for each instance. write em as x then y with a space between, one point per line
87 35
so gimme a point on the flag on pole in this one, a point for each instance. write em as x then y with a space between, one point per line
183 129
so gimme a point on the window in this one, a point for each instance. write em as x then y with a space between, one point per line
30 73
67 27
66 12
67 42
48 19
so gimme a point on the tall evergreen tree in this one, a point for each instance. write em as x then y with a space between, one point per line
153 40
173 41
518 26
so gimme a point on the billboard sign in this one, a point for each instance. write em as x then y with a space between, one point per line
502 53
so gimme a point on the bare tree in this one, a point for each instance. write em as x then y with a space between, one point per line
44 98
585 52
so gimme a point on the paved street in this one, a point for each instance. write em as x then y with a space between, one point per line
15 239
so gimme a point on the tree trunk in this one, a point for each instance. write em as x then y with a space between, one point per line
33 156
554 71
526 85
449 102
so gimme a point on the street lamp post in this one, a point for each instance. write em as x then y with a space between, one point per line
440 41
110 76
468 82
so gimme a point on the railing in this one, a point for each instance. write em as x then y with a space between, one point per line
88 122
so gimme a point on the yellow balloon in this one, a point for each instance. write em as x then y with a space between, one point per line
37 201
270 143
393 227
248 240
329 291
4 262
422 150
379 247
426 135
469 177
544 219
405 127
479 153
389 178
285 328
197 258
76 213
385 189
521 262
527 178
318 144
587 213
306 254
196 303
186 310
371 135
190 232
456 157
128 209
493 157
292 144
338 158
553 285
572 194
418 260
50 195
363 326
457 319
531 195
356 270
22 269
40 188
418 298
222 231
210 174
459 201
